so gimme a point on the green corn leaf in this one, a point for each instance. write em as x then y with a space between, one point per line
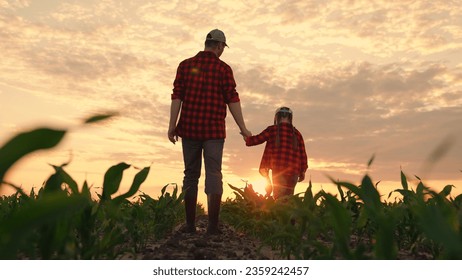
112 180
371 196
237 191
67 179
86 190
420 189
435 220
354 189
164 189
371 160
389 195
308 197
341 223
53 184
404 181
20 191
175 192
28 219
458 200
140 177
385 247
26 143
442 149
98 118
446 190
342 194
404 193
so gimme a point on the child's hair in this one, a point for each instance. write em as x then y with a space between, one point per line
284 112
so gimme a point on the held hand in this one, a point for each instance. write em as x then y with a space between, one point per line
172 136
243 136
246 133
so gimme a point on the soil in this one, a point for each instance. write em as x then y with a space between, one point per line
230 245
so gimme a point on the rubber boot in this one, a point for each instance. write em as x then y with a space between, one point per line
190 201
213 204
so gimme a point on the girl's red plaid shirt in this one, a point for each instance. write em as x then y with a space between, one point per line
283 158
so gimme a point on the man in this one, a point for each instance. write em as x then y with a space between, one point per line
203 88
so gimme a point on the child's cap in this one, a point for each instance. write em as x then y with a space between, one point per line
283 110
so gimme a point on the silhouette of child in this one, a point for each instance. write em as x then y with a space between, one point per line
284 154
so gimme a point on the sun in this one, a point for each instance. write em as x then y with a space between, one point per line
258 184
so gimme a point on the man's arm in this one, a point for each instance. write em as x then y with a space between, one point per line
236 111
174 112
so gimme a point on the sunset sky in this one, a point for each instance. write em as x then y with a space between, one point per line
363 78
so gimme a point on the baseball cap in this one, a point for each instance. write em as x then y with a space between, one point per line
216 35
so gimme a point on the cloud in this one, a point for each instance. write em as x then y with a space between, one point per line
362 77
82 64
353 112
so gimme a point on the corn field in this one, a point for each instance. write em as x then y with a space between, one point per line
63 221
355 224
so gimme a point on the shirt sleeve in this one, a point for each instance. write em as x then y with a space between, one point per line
229 86
258 139
178 85
302 153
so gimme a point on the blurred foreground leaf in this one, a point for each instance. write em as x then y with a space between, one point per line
98 118
30 217
25 143
140 177
112 179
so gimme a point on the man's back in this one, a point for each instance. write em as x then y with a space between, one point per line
204 84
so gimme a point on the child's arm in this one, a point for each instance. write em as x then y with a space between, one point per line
259 138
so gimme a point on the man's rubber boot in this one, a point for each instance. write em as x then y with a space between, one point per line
213 203
190 201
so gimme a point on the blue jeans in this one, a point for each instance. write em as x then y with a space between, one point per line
192 155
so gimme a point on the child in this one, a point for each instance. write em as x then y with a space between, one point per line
284 154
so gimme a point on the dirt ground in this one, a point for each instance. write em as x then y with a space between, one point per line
231 245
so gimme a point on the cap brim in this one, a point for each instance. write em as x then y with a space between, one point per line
212 39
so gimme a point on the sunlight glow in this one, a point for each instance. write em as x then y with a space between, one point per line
259 184
362 77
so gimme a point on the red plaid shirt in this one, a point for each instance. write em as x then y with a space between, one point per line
282 159
204 84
